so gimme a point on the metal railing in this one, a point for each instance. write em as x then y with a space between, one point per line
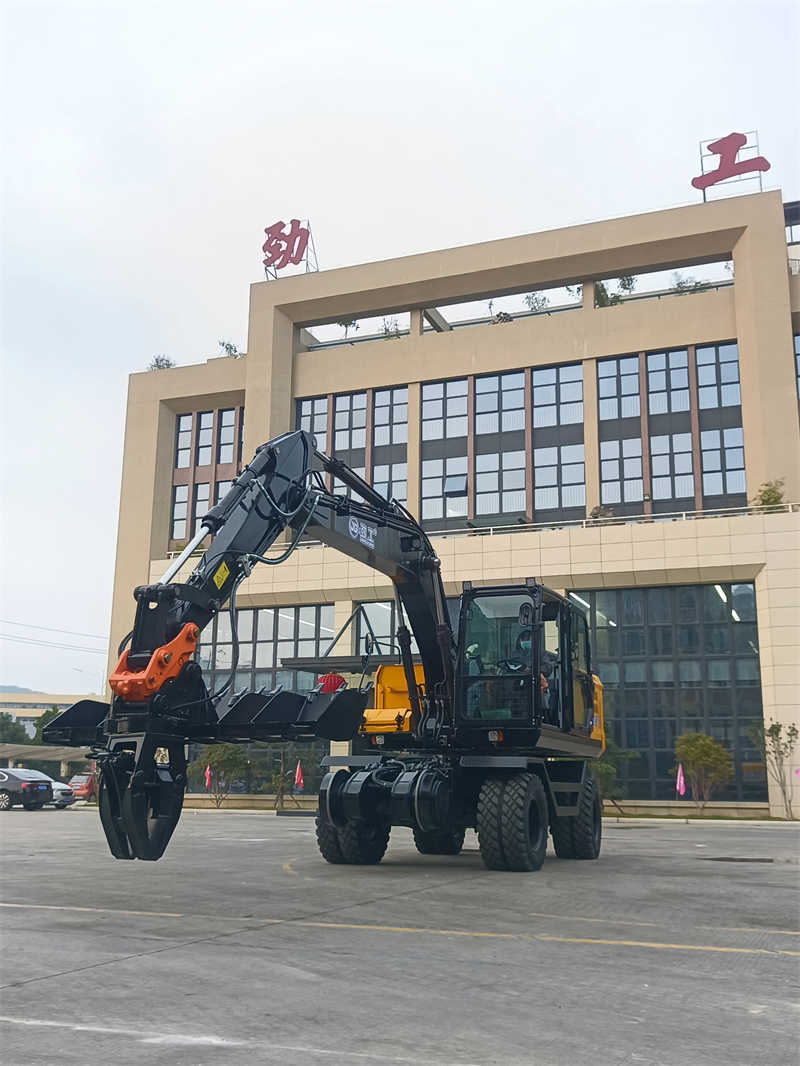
582 523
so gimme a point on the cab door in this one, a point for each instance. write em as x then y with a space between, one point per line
581 674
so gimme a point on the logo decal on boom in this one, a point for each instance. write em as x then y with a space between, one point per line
362 532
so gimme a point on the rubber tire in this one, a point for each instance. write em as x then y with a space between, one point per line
579 836
447 842
5 801
524 824
588 827
33 806
363 843
490 814
328 843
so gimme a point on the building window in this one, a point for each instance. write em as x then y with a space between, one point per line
267 636
350 422
225 441
621 471
183 442
200 503
674 660
221 490
668 381
722 453
444 410
558 477
797 360
500 483
440 476
500 403
558 396
312 416
390 417
671 466
618 388
389 479
718 376
383 622
205 432
180 504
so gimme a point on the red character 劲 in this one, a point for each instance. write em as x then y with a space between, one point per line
282 248
727 148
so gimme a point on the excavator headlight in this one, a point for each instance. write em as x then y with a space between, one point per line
495 735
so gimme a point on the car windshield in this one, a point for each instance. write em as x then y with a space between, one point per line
30 775
79 779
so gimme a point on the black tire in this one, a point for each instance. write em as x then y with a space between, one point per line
579 836
33 806
5 801
588 827
363 843
490 814
328 843
446 842
524 823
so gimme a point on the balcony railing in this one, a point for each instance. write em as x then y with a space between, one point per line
584 523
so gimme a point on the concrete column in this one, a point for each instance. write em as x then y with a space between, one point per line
766 362
588 296
417 324
270 359
413 447
591 446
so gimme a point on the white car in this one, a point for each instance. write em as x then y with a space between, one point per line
63 796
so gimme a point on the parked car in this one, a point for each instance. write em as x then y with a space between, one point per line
82 785
29 787
63 796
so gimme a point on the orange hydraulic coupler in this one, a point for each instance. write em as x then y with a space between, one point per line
136 686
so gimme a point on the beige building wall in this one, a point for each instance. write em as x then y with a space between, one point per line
757 311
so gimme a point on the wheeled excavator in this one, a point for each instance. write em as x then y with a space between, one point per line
489 724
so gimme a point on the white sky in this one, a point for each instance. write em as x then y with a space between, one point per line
148 144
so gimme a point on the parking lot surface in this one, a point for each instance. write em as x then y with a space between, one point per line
242 946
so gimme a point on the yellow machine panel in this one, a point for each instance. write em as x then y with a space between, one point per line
598 726
391 712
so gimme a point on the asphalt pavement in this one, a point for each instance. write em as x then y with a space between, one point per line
680 946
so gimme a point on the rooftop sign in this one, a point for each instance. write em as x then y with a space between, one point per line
729 167
284 247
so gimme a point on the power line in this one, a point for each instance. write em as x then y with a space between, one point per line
32 642
49 629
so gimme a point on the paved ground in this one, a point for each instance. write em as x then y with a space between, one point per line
243 946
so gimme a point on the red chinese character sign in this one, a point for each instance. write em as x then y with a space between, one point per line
729 165
288 246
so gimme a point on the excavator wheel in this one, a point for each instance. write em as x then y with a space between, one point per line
579 836
363 843
447 842
328 843
512 823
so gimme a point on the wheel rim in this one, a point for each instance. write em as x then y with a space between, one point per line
4 801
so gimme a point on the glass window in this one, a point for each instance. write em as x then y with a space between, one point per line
390 480
201 492
621 471
797 360
225 441
500 403
390 416
558 477
558 395
435 472
180 503
718 376
668 381
722 452
618 387
205 431
312 416
444 410
500 483
183 441
349 422
671 466
221 490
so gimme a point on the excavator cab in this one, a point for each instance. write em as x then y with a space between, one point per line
524 667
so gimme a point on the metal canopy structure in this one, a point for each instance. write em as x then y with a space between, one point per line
40 753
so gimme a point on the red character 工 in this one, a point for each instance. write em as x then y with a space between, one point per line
727 148
282 248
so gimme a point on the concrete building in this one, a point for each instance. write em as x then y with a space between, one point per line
27 707
665 406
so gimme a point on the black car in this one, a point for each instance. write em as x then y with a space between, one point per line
28 787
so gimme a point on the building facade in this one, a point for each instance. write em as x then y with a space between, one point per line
607 446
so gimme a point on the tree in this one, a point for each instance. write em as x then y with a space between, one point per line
706 765
770 494
161 362
605 770
12 732
44 720
390 327
777 743
227 762
229 348
682 284
347 324
536 301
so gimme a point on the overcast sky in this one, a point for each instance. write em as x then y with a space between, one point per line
146 146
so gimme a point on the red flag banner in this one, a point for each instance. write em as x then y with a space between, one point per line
680 784
298 776
207 777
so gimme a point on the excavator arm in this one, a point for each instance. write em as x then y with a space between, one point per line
160 700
